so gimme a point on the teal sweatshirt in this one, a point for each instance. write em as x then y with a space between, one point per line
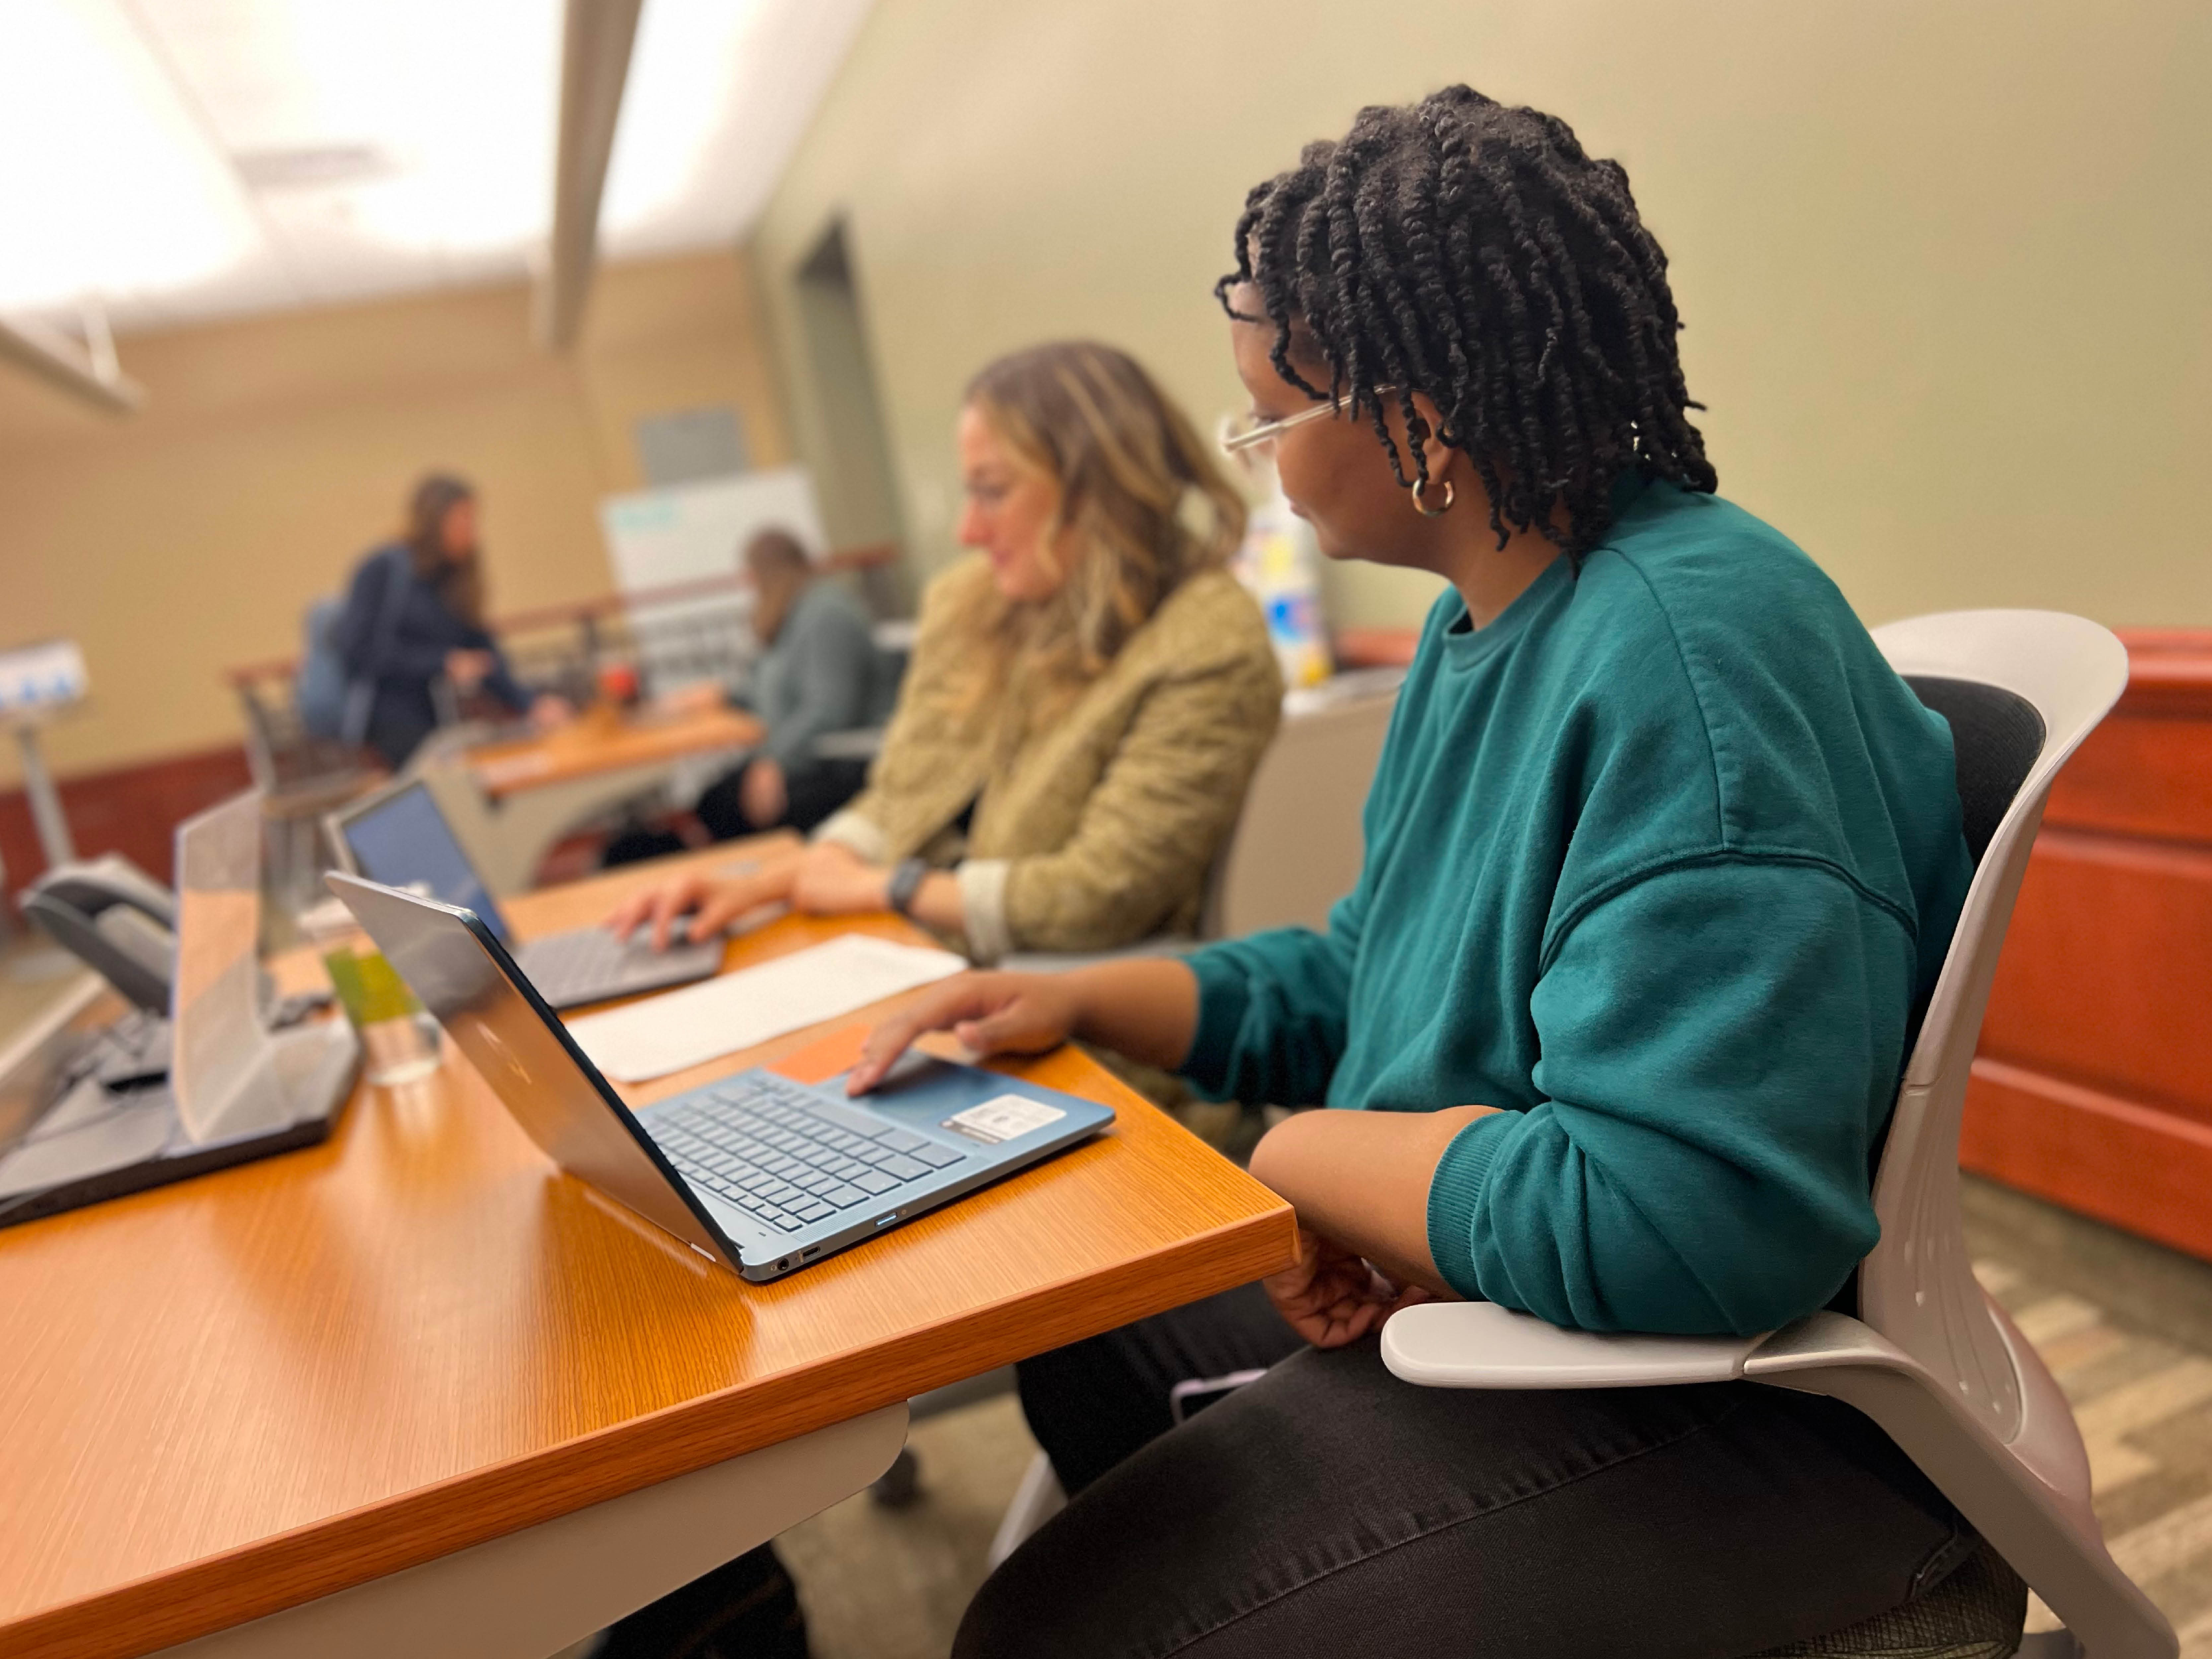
1664 862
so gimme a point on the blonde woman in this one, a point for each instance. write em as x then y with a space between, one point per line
1088 697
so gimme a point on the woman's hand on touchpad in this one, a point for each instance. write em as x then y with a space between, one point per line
989 1013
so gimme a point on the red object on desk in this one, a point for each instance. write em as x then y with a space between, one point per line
618 683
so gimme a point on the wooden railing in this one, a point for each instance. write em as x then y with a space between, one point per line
589 615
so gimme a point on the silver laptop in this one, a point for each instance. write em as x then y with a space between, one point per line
755 1171
399 836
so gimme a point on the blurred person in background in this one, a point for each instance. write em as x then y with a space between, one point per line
819 671
1088 695
414 611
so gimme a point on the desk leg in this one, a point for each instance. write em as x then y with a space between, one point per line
533 1592
530 823
509 838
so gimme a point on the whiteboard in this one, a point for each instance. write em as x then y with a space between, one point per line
690 531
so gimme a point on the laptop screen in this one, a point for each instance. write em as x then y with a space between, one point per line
405 839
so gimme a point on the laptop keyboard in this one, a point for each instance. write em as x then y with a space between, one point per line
789 1156
591 961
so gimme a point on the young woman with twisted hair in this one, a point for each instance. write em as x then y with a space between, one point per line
1662 862
1088 696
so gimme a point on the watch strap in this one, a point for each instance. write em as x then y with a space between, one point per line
906 881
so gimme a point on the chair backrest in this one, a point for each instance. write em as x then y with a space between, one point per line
282 755
2021 688
1298 844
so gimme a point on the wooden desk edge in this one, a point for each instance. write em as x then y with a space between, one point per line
232 1589
518 766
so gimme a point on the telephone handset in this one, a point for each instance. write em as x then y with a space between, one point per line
117 920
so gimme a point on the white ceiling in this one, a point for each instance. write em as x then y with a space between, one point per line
182 160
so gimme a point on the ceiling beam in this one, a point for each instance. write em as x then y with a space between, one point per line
596 39
88 374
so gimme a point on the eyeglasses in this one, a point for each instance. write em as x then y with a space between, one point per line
1248 434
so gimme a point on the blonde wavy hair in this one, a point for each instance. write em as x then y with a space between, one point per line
1148 504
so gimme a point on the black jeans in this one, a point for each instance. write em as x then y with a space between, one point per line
1329 1508
814 794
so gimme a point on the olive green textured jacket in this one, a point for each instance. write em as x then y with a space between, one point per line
1096 830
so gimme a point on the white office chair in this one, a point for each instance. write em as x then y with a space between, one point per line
1931 1357
1297 847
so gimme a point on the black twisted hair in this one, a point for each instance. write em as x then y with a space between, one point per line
1474 254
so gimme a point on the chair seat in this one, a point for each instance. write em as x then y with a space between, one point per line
1978 1611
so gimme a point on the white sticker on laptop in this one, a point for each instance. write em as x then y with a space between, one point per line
1003 1119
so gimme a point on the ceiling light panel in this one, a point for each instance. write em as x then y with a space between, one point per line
720 91
177 160
107 187
392 145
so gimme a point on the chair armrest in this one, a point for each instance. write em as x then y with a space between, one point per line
2029 1500
1480 1345
1061 961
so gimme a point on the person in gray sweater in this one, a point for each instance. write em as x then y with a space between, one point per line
819 671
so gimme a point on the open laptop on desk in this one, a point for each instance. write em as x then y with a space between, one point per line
755 1171
399 836
237 1085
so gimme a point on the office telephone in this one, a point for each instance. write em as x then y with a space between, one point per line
115 919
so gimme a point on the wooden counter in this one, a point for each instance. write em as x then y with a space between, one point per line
2093 1084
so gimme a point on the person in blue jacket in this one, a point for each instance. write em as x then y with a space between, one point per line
1662 863
414 611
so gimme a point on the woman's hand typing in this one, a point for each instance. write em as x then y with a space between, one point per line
825 879
712 903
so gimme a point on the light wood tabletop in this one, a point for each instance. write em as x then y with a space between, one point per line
250 1390
600 740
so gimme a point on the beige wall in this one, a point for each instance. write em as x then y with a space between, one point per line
1945 265
274 450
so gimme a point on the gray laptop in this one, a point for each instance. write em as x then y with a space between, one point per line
399 837
240 1080
755 1171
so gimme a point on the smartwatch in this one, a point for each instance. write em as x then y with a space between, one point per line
906 882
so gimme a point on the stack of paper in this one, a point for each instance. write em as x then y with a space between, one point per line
667 1033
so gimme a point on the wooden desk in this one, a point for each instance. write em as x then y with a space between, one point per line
598 741
511 803
263 1386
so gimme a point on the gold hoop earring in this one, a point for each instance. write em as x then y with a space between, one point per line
1425 510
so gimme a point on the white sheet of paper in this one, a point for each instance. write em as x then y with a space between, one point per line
666 1033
